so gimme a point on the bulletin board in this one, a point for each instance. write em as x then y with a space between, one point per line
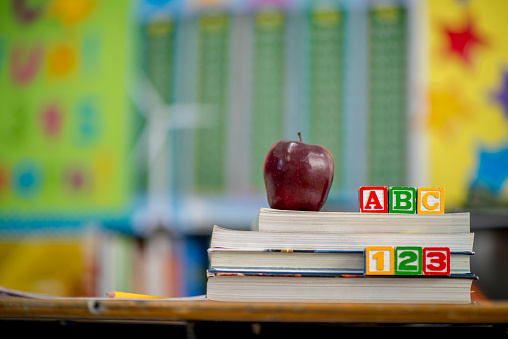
467 119
65 126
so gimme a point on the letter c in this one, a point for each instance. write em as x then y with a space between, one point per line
425 202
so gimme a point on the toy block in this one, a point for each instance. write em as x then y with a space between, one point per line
436 261
373 199
430 200
402 200
408 260
379 260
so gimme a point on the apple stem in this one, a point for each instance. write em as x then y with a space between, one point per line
300 136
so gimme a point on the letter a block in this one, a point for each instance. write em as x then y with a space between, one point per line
402 200
430 200
373 199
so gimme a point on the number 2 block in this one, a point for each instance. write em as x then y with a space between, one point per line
379 260
408 260
436 261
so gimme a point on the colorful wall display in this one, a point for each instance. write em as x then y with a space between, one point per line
467 119
221 81
250 73
65 132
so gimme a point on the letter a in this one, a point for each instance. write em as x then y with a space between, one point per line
373 200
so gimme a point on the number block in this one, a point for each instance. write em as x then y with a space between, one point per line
402 200
436 261
379 260
430 200
408 260
373 199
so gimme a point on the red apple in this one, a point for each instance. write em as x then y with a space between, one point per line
298 176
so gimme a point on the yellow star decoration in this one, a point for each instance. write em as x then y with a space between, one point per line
71 12
447 112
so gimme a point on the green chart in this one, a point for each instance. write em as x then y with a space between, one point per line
213 73
326 83
268 88
159 57
387 111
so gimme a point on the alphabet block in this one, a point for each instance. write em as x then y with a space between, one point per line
408 260
436 261
402 200
373 199
379 260
430 200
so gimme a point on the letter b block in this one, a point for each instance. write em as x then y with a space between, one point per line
430 200
374 199
402 200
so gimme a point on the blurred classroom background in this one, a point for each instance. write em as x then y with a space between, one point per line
129 128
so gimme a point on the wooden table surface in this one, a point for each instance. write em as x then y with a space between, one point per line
166 310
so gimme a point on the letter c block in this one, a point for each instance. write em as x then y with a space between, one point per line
431 200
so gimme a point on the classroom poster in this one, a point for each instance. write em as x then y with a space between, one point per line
65 132
387 126
467 120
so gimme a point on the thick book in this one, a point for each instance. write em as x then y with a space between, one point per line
342 242
267 287
307 261
275 220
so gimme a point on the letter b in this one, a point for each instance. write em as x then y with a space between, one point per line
402 200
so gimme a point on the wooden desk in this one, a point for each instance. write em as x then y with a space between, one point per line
201 317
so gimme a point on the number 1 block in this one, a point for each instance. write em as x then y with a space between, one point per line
379 260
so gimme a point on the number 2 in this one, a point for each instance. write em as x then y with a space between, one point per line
408 260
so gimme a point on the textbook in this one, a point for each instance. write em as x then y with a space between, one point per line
307 261
260 241
275 220
332 288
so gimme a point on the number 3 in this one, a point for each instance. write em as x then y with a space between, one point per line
436 261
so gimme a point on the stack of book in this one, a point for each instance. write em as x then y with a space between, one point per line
298 256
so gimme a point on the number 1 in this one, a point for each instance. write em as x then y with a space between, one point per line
379 260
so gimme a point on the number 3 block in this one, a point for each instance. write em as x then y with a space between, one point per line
436 261
379 260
